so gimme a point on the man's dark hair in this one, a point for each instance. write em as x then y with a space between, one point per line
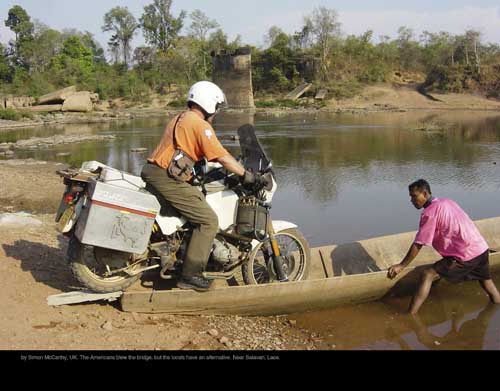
421 185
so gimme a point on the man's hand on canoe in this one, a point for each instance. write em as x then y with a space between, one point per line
394 271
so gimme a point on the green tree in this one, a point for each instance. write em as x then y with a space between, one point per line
303 38
360 59
75 63
473 46
46 45
145 60
97 51
144 56
5 71
278 63
409 51
358 48
388 50
20 23
201 25
219 41
438 48
122 23
273 34
161 29
326 30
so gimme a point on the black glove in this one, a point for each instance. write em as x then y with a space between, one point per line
248 178
254 179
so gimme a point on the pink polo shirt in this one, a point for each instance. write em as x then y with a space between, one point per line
447 228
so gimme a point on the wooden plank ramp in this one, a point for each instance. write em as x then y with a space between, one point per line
299 91
344 274
81 297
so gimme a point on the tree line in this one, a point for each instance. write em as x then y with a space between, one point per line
178 52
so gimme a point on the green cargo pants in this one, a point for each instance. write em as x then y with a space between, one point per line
191 204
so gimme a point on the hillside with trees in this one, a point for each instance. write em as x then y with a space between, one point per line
177 52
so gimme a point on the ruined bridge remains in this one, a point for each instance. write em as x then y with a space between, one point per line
233 73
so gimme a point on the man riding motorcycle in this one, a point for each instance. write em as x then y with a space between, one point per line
189 138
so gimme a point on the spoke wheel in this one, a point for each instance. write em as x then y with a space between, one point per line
296 259
93 267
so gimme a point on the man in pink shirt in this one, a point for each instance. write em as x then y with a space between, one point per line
450 231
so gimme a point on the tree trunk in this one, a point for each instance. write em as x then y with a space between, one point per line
478 60
125 52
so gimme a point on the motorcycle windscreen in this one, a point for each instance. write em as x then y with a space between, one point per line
254 157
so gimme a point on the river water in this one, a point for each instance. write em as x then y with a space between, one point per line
344 178
341 178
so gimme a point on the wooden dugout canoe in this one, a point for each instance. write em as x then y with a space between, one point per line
343 274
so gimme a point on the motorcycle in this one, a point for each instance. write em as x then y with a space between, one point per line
119 227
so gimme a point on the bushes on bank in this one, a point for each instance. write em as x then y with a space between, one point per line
14 115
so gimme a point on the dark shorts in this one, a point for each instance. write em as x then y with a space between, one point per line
456 271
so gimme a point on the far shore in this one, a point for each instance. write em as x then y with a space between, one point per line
373 99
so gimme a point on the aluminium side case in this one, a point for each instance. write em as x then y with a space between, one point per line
117 218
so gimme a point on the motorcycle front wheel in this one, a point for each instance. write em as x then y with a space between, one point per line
92 267
259 269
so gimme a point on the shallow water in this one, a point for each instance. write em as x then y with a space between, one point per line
455 317
344 178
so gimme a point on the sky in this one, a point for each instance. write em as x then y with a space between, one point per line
252 18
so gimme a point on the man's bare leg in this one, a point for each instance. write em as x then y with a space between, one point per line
491 290
428 277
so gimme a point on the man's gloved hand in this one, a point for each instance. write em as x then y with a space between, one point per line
254 179
248 179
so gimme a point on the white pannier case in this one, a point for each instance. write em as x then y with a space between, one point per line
115 177
117 218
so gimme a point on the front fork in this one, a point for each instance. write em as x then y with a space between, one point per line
276 254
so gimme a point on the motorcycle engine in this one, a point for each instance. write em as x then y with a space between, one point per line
224 252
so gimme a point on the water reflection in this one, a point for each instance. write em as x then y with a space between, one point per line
462 333
454 317
342 177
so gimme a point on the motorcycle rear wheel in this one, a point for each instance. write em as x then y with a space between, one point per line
91 276
297 260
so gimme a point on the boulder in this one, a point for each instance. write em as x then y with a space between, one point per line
80 102
57 96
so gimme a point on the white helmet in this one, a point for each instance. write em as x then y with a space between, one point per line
207 95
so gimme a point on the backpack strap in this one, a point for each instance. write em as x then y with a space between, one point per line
175 127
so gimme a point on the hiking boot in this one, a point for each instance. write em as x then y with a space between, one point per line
199 284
